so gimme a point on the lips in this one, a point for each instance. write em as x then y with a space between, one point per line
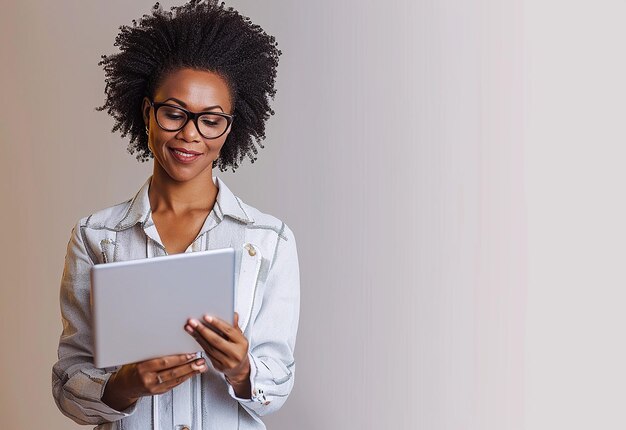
184 155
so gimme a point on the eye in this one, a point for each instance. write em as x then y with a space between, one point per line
209 123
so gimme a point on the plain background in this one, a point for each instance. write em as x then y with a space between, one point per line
453 173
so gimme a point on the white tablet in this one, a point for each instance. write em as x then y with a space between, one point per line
140 307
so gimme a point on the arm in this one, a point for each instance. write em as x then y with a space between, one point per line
259 370
89 395
77 385
272 333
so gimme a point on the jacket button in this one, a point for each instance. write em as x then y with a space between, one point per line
251 250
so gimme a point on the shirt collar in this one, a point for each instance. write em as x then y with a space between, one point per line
226 204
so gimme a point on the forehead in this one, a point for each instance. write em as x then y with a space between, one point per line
198 89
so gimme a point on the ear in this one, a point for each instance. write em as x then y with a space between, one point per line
145 110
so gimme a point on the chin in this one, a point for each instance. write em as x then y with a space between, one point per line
184 175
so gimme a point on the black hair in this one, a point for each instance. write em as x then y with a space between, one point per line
201 35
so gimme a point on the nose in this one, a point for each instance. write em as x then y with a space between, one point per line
189 132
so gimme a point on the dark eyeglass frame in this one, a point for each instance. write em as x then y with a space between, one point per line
193 116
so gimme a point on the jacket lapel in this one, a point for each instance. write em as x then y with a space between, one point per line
246 283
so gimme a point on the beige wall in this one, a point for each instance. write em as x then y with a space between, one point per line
408 154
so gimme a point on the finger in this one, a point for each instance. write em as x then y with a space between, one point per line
215 362
218 357
228 330
173 373
236 323
213 352
166 362
168 385
214 340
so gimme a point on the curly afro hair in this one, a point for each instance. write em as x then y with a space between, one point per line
202 35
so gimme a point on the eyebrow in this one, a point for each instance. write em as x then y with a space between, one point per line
183 104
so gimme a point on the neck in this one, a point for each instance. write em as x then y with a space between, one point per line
166 194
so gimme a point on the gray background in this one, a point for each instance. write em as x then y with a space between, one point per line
431 158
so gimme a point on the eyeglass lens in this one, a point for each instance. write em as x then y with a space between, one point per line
173 119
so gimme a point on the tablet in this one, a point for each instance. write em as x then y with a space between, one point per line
140 307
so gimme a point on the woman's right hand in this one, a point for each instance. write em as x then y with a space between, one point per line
150 377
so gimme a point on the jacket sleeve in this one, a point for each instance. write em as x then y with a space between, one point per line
77 386
272 335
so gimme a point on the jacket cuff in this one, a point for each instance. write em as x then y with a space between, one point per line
86 388
253 390
265 387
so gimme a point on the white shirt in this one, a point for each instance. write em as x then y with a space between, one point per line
267 300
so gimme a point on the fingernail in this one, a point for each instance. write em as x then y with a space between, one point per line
200 362
208 318
188 329
190 356
193 323
196 366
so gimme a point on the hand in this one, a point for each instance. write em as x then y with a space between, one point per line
155 376
228 351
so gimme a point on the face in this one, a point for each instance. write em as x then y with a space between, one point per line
185 154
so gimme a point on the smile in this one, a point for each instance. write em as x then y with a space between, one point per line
183 156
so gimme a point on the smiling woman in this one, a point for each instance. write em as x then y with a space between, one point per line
182 153
191 87
182 148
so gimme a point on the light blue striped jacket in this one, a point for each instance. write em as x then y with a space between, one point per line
267 300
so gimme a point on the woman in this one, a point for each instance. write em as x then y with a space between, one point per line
191 87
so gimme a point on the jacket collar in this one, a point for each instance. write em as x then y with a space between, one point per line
226 204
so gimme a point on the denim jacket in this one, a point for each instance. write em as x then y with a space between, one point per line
267 300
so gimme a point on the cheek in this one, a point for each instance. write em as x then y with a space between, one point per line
216 145
151 128
223 140
151 138
157 138
219 148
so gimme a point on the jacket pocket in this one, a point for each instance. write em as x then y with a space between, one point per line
280 373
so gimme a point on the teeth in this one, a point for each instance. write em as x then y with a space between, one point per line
184 154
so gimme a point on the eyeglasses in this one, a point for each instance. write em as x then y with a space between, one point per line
210 125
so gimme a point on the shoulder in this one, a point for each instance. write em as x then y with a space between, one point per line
254 219
263 221
122 215
107 218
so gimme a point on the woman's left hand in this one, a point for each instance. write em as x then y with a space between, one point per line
228 351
